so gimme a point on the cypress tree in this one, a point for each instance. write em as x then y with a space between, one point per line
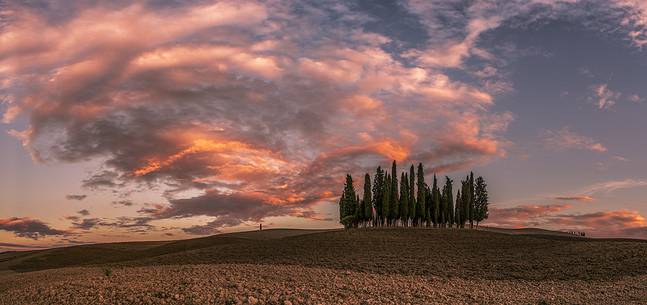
457 212
471 200
349 203
449 202
429 198
420 200
412 193
443 207
394 204
404 199
342 210
437 198
386 199
480 201
368 201
378 195
465 202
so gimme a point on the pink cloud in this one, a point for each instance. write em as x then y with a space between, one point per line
565 138
234 98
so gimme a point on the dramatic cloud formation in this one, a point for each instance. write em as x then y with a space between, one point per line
565 138
243 100
29 228
261 107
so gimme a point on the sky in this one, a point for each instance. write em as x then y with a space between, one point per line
149 120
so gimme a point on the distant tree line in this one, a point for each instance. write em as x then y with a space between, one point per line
410 202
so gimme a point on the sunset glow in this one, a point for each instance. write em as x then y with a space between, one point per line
173 119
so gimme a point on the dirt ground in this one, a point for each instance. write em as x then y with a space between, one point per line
360 266
267 284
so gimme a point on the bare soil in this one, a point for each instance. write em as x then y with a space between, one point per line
360 266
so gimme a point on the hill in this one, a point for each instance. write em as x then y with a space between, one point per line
249 263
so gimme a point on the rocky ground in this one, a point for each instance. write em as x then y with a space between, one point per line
285 284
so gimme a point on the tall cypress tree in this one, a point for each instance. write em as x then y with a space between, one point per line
437 198
480 201
404 199
395 197
449 201
457 211
368 201
386 199
429 198
349 203
412 193
420 200
471 200
465 213
378 195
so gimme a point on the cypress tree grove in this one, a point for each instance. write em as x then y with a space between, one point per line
368 201
404 199
480 201
412 202
420 200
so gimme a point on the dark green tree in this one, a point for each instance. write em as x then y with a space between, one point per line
480 201
457 211
449 201
420 200
386 199
378 195
471 200
404 199
434 209
349 204
394 204
429 201
368 200
412 193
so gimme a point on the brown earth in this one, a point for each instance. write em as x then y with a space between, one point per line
362 266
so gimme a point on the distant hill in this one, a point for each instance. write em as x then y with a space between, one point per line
408 251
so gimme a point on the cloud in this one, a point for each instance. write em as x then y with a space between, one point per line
87 223
522 215
130 224
241 100
29 228
636 98
575 198
618 223
84 212
565 138
604 97
612 186
125 203
75 197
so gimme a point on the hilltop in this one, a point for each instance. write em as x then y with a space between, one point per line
487 265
